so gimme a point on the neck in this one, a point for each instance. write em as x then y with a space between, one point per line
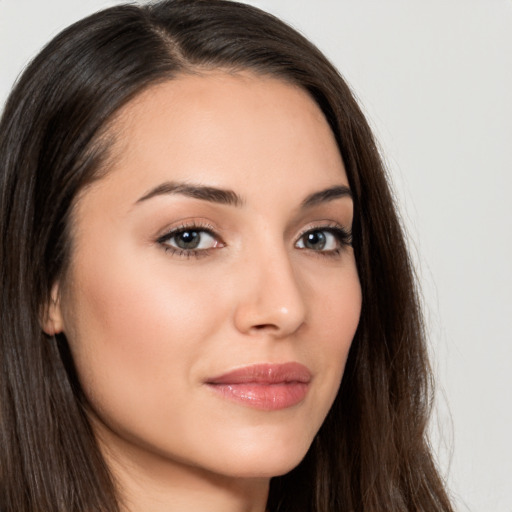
153 483
189 490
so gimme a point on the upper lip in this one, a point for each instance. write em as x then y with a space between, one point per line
267 373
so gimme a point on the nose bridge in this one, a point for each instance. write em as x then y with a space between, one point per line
272 299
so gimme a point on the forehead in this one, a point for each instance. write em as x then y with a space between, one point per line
223 129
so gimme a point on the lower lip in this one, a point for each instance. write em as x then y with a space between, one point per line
264 396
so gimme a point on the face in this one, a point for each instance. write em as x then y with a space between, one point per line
212 294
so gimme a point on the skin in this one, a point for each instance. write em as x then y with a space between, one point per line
147 326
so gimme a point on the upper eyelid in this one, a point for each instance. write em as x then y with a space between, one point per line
325 225
198 226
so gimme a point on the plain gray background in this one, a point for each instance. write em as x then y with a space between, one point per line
435 79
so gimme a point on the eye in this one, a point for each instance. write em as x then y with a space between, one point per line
189 240
327 240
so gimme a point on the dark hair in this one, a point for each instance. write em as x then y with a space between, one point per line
372 452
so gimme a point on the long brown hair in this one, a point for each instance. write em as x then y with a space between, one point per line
372 453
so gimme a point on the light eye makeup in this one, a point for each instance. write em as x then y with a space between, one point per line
191 240
328 241
196 239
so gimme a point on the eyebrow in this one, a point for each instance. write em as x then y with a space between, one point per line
326 195
231 198
212 194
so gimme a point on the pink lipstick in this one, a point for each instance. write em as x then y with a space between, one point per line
268 387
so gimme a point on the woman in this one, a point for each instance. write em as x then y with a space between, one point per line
198 245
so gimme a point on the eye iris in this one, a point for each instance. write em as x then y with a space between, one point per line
315 240
187 239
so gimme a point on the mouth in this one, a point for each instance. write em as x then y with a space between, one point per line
267 387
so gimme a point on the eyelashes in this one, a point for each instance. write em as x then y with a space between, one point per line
198 240
325 240
191 240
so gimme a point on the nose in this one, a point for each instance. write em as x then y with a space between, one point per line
270 299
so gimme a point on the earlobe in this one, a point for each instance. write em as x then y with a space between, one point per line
52 317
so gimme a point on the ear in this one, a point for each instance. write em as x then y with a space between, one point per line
52 315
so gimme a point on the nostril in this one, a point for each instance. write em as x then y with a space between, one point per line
262 327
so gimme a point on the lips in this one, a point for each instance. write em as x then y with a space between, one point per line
267 387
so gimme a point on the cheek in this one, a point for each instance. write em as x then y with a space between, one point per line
336 310
137 332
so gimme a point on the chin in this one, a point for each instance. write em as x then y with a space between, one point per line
263 456
261 468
